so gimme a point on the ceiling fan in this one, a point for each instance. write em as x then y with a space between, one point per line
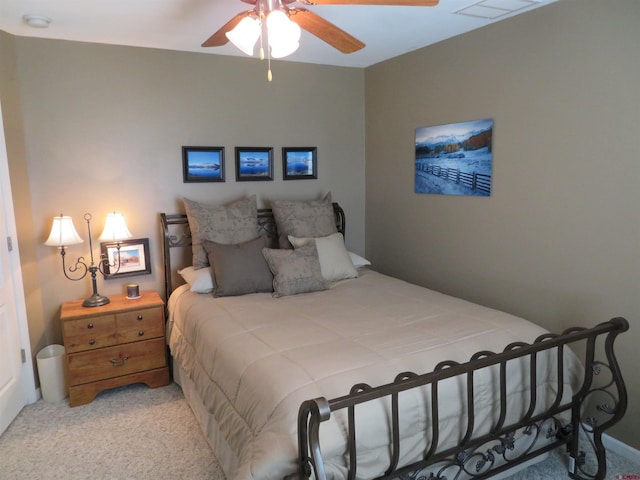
303 18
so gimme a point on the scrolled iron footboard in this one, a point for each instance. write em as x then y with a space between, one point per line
597 404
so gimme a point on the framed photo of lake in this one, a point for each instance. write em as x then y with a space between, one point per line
203 164
455 159
299 163
254 164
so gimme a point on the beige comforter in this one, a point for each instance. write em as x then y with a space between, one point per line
254 359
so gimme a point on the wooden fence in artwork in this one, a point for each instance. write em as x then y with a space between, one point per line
473 180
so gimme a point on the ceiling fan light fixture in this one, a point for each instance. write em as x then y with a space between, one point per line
245 35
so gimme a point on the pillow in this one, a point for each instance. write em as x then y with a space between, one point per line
310 218
239 268
200 281
295 271
358 261
335 262
233 223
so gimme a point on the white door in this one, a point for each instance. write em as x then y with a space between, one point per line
17 387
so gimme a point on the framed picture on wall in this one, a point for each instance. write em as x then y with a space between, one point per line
299 163
254 164
132 259
455 159
203 164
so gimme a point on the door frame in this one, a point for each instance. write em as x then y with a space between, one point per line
28 373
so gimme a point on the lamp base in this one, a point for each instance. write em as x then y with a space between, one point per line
95 300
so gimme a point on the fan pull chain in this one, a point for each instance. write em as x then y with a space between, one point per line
261 43
269 75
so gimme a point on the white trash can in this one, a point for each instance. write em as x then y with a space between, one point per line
52 373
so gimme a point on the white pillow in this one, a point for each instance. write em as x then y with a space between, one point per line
335 261
200 280
358 261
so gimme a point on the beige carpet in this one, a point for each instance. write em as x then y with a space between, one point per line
139 433
130 432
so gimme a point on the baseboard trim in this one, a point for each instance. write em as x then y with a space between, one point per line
622 449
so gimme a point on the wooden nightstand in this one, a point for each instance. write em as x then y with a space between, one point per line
116 344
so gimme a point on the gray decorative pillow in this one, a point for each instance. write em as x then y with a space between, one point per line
310 218
295 271
239 268
233 223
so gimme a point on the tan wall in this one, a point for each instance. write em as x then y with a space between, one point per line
104 125
558 241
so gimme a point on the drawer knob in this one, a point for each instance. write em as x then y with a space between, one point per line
139 317
90 325
118 363
140 333
92 342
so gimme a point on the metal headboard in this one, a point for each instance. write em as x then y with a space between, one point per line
176 234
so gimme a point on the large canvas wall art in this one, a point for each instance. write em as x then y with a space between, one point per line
455 159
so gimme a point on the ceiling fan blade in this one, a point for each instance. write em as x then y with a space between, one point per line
219 38
391 3
325 31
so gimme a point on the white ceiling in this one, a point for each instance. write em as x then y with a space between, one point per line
185 24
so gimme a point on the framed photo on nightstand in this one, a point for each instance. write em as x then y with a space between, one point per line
132 259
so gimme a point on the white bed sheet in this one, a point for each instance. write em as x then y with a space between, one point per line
253 359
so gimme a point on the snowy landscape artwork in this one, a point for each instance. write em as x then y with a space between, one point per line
455 159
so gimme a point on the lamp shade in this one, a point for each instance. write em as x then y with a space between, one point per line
63 233
283 34
115 228
245 34
284 50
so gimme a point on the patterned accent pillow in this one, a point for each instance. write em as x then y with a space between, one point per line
310 218
233 223
240 268
295 271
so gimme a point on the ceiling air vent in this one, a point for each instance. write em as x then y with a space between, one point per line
495 8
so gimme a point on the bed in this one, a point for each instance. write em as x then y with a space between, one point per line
321 383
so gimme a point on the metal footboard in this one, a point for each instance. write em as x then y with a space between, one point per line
576 420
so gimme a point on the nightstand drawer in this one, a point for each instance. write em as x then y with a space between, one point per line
140 324
89 333
115 361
